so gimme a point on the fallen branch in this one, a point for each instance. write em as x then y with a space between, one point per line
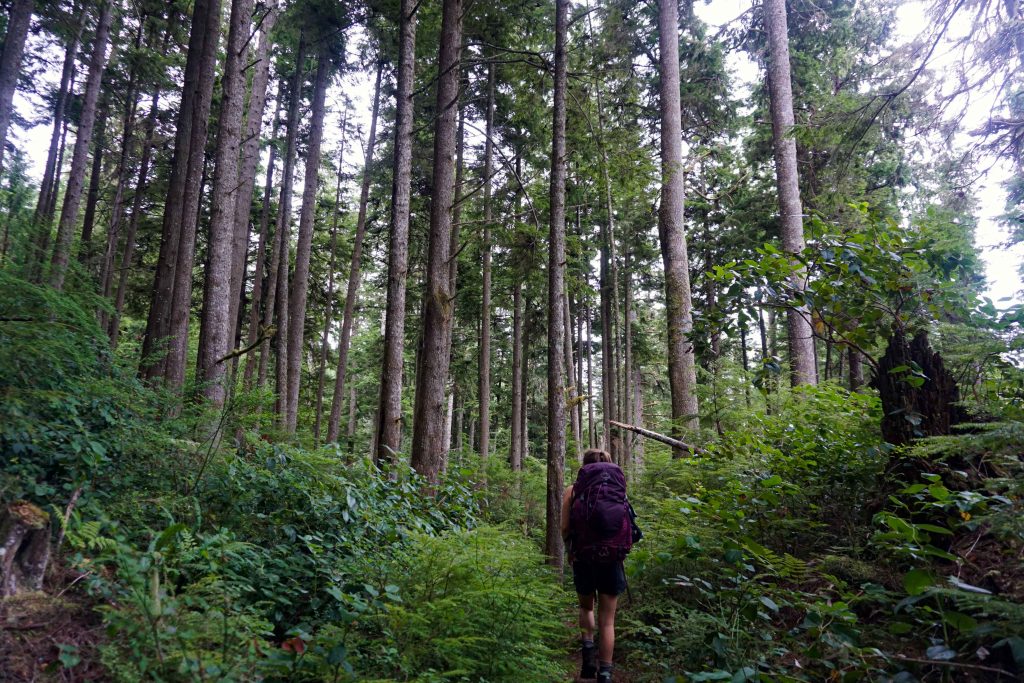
667 440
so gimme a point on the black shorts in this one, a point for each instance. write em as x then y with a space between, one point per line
607 578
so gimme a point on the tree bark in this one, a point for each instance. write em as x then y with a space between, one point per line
516 439
169 308
798 324
678 305
556 292
43 217
571 389
354 272
92 196
259 298
279 305
73 193
484 367
629 316
637 411
609 288
247 168
856 370
216 324
591 423
389 414
432 373
352 414
128 122
307 214
128 255
329 307
18 21
911 412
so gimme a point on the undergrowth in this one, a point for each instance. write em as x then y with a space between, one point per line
789 550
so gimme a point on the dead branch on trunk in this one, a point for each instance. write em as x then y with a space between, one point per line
667 440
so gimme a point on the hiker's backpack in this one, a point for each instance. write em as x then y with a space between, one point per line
601 522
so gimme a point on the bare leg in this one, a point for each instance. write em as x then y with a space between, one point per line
587 616
606 623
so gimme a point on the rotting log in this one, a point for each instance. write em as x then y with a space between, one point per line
24 547
667 440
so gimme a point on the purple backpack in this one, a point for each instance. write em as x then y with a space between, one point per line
600 524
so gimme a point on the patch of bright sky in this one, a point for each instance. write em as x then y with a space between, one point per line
1001 263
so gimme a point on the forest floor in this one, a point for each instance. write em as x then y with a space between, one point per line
52 635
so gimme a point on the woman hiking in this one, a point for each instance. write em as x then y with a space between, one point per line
597 525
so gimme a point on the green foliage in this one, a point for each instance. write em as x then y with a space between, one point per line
868 276
760 562
66 410
475 606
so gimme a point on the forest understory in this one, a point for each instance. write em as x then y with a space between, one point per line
310 309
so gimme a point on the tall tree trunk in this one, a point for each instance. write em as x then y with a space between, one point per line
216 324
73 194
300 279
262 296
453 257
556 292
798 324
637 415
128 122
609 390
169 308
181 301
279 305
329 307
432 373
352 414
18 21
92 196
516 439
247 169
51 198
630 389
59 114
524 380
571 390
484 368
591 423
578 346
856 370
609 292
744 358
128 255
388 429
354 272
43 216
678 305
460 411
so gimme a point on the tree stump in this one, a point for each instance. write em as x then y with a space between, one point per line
919 396
24 547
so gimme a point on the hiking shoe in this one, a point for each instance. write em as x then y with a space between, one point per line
604 675
589 656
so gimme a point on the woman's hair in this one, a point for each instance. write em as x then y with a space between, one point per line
592 455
